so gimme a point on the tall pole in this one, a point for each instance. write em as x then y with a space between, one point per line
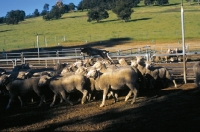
183 42
38 46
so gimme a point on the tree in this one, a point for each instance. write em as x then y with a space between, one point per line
45 9
97 14
66 8
2 20
36 13
71 6
56 12
123 10
14 16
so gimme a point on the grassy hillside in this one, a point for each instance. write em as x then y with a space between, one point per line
147 24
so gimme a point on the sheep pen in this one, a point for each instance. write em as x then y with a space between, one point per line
170 109
166 109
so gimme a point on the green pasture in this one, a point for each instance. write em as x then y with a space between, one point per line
148 24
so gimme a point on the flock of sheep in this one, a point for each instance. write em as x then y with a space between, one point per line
87 77
168 57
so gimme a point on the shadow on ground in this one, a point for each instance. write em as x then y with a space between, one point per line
99 44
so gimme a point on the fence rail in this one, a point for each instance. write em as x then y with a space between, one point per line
49 59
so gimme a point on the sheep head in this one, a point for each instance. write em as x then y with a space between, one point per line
92 73
81 71
98 65
43 80
140 59
149 64
4 79
122 61
134 63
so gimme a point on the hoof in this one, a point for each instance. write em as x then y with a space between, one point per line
102 105
132 102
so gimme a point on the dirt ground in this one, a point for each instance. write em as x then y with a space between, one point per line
167 109
162 109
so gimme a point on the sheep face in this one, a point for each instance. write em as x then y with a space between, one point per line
149 65
66 70
134 63
4 79
78 63
43 80
22 75
81 71
98 65
140 59
122 61
92 73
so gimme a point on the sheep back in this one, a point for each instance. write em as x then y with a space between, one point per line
118 78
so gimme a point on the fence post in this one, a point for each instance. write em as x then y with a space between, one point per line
57 55
22 61
75 52
15 61
118 52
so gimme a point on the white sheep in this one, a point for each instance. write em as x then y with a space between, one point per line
60 85
19 88
158 73
139 64
115 80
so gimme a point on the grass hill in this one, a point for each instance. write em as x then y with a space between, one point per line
152 24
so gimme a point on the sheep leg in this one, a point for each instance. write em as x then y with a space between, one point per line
54 99
132 90
9 102
152 83
64 97
105 92
135 95
128 95
175 85
42 100
20 99
85 92
115 97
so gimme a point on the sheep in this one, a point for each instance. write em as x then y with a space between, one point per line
156 73
88 62
170 58
122 62
19 88
115 80
60 85
139 64
90 82
196 70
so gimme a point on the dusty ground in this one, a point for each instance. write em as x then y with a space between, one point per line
161 109
167 109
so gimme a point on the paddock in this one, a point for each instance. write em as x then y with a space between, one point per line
169 109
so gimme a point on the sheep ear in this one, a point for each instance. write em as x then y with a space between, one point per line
8 75
26 73
48 72
2 73
36 74
48 77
